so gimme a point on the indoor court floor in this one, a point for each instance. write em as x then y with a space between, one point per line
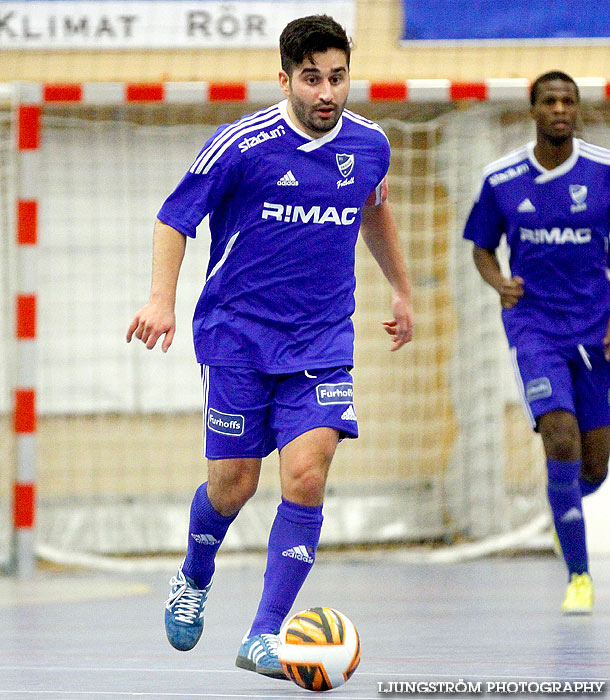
90 636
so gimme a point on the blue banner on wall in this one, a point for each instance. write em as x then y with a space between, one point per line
480 20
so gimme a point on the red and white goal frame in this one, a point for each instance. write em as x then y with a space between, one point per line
28 101
418 90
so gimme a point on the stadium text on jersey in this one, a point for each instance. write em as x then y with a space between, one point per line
261 137
508 174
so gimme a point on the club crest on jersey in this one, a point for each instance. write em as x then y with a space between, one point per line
345 163
579 195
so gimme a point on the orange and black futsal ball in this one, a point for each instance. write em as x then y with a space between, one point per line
319 648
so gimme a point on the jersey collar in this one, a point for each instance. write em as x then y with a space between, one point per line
566 166
311 143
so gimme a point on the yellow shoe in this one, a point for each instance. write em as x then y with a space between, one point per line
579 596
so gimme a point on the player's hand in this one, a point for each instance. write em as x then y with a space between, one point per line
401 326
510 292
606 343
150 323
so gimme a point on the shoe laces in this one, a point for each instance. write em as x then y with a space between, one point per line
184 600
271 643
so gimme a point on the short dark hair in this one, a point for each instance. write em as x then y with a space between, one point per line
305 36
547 77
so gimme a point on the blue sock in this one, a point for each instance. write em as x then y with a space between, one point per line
207 529
566 503
588 487
292 549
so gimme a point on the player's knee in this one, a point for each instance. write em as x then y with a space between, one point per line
595 454
228 493
229 502
561 436
305 484
562 447
595 471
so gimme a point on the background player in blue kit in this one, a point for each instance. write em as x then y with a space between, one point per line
552 200
286 190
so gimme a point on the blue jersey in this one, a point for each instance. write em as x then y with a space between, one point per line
556 224
284 213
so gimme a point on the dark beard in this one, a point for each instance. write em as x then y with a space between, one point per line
302 115
559 140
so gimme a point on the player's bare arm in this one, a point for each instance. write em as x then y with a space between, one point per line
381 237
510 290
157 318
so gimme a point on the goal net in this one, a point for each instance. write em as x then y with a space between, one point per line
445 454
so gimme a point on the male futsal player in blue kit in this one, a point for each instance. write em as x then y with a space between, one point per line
286 190
552 200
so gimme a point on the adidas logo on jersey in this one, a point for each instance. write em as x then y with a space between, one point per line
300 552
526 205
288 180
204 539
349 414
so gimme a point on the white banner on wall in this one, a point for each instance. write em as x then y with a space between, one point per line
157 24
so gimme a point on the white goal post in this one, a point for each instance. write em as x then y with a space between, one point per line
105 438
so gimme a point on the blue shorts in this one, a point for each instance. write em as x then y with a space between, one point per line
574 379
250 414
